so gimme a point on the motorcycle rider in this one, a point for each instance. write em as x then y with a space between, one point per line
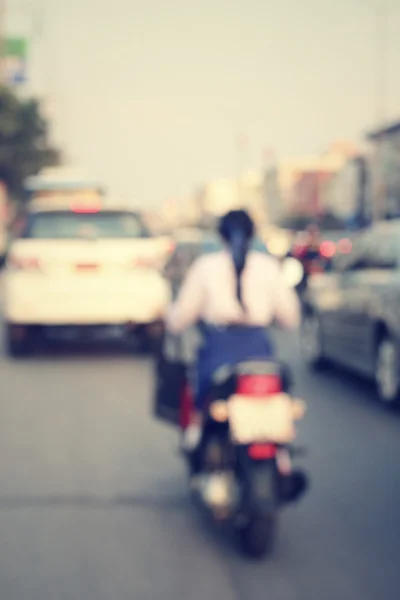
308 250
236 294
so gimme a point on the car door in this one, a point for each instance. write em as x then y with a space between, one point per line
368 271
324 297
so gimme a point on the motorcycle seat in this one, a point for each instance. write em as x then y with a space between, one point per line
249 367
226 374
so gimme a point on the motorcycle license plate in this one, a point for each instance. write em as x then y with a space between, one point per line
268 419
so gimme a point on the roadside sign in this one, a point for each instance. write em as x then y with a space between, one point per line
15 60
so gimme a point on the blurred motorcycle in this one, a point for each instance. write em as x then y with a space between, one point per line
241 472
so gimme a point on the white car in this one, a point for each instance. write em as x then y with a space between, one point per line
82 270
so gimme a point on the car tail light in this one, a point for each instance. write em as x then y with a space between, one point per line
259 385
298 250
146 262
327 249
85 209
262 451
345 246
23 263
171 247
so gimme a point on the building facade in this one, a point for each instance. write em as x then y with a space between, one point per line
301 185
347 194
385 171
279 182
308 196
221 195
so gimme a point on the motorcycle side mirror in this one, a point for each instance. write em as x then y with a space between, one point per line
292 271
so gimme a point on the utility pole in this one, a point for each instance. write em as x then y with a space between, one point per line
241 145
2 40
381 93
381 73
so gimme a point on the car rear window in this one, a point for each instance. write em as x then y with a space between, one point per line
67 225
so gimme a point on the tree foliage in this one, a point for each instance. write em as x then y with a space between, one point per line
24 141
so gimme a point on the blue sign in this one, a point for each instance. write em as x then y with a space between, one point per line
16 70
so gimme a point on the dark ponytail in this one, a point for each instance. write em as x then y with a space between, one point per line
237 229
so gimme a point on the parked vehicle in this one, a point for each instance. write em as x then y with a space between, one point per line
352 314
4 218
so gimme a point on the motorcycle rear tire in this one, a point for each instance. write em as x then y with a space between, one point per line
257 537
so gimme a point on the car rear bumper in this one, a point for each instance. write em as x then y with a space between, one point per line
92 332
30 301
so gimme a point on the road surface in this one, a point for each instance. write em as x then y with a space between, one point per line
93 503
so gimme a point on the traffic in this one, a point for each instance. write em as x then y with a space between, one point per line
199 301
88 270
81 267
351 314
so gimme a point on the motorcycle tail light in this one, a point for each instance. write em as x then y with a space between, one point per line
262 451
259 385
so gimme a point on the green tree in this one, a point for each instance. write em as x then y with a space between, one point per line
24 141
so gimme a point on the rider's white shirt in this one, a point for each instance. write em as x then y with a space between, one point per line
209 294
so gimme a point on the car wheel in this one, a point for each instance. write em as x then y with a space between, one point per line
311 342
148 345
18 346
151 339
140 344
386 372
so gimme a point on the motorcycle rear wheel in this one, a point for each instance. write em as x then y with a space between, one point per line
257 537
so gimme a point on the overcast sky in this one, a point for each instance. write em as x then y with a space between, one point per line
151 95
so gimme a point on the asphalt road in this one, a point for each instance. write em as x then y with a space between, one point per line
93 503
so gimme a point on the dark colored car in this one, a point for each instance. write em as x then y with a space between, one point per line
180 260
352 314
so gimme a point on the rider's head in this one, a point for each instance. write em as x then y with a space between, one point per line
237 230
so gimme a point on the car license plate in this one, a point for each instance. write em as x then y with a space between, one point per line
105 332
88 333
86 268
265 419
